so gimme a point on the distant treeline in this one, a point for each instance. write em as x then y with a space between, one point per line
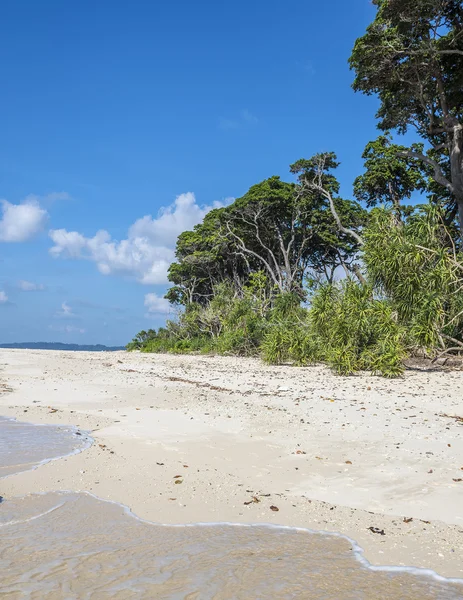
60 346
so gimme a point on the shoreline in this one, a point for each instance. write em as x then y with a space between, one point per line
357 551
147 415
86 438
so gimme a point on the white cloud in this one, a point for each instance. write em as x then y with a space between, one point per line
56 196
65 312
139 257
3 297
156 304
180 216
225 123
28 286
245 117
67 329
149 248
21 222
248 117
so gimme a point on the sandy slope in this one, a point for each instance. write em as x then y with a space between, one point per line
332 453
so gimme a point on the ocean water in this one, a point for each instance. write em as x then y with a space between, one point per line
24 446
66 546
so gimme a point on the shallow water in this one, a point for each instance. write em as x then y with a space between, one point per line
69 546
24 446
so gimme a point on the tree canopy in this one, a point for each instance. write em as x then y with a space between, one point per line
390 178
283 229
412 57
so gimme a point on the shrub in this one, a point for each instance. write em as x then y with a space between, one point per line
357 331
418 267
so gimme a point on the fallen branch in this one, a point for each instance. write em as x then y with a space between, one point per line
451 339
456 417
453 349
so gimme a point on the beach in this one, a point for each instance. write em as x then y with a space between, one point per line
200 439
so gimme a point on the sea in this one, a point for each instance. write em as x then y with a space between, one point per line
74 546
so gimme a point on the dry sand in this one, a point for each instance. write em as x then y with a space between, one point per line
331 453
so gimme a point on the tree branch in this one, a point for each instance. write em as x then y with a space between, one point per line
256 227
317 184
277 281
360 277
454 349
455 51
438 174
451 339
337 218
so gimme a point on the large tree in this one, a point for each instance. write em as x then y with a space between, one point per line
205 257
289 232
389 178
344 218
412 57
284 230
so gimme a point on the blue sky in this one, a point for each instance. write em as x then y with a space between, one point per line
132 119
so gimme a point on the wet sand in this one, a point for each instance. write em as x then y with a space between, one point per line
331 453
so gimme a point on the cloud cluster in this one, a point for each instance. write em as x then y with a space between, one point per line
29 286
65 312
147 251
156 305
3 297
57 196
244 118
21 222
66 329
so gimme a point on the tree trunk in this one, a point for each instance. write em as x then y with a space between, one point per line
456 170
454 184
460 213
395 204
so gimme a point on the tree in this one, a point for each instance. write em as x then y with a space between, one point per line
289 230
389 177
268 226
412 57
205 258
346 217
141 339
281 229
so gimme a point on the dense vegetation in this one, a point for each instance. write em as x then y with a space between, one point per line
263 275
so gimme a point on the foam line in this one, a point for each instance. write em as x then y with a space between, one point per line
47 512
356 548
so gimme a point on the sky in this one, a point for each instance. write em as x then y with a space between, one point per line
123 123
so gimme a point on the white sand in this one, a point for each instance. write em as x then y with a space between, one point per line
332 453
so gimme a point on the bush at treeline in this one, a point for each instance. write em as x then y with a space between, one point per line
409 304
